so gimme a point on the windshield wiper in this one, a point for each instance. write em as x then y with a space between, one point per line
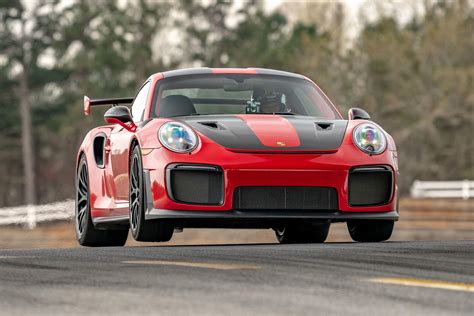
283 113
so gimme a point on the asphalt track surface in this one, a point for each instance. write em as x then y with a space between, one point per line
392 278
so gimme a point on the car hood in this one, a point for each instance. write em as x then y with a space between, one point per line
259 132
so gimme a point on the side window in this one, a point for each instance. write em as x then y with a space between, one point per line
138 105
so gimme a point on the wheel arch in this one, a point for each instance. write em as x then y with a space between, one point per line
133 142
80 153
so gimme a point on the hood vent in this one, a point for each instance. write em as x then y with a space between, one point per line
212 125
324 126
263 133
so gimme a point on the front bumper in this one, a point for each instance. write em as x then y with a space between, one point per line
254 218
260 170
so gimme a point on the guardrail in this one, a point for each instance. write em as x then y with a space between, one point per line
442 189
29 215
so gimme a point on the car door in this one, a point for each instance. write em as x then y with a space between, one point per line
119 145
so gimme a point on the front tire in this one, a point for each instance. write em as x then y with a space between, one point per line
300 234
370 230
86 234
141 229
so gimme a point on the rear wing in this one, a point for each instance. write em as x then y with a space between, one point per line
111 101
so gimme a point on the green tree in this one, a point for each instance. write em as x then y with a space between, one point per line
24 39
418 83
105 50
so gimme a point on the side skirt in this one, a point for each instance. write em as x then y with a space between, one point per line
113 223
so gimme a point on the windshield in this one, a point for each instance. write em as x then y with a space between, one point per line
240 94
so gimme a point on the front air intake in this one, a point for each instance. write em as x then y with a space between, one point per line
195 184
370 186
285 198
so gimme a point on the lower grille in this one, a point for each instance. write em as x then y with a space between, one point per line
285 198
195 184
370 186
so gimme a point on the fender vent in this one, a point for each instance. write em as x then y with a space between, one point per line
98 146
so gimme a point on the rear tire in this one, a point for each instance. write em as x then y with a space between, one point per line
141 229
300 234
86 234
370 230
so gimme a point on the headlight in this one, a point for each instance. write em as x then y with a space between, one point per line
369 138
178 137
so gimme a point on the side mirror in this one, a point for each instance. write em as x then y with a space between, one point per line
358 114
120 115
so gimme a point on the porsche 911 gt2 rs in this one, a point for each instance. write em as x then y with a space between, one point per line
233 148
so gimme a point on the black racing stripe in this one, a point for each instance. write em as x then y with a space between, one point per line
317 134
232 132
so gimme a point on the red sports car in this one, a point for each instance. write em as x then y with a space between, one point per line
233 148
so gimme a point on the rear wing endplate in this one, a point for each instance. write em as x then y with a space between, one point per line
111 101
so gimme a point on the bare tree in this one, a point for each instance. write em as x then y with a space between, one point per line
25 114
26 138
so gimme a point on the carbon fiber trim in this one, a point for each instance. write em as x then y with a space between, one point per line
334 216
233 132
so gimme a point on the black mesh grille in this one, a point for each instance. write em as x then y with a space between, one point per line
195 186
370 186
285 198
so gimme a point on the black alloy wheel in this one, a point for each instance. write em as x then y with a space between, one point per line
86 234
143 230
135 193
82 198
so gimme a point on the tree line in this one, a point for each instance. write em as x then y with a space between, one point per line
415 78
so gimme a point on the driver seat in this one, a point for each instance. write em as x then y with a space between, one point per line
176 105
